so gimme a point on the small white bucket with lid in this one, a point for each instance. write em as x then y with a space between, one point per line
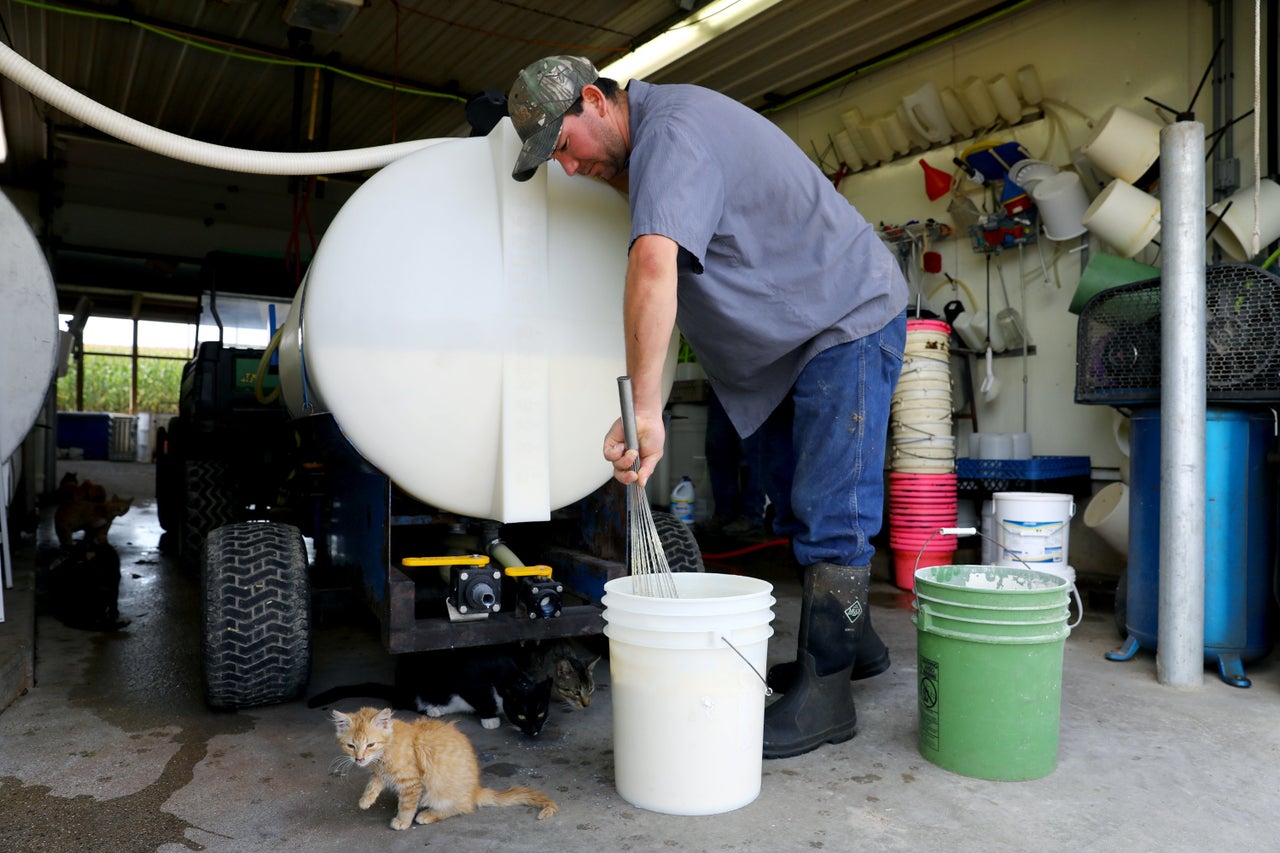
1032 528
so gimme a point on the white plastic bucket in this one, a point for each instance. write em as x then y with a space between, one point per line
909 465
688 694
1235 233
988 533
1062 203
940 394
926 370
909 432
1108 516
1124 216
910 406
1032 528
1123 144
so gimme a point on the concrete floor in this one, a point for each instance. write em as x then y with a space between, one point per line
113 749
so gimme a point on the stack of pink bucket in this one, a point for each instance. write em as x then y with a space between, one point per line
919 506
922 480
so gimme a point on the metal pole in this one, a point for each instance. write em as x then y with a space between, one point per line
1180 640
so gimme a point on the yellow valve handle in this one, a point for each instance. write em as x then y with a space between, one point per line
527 571
473 560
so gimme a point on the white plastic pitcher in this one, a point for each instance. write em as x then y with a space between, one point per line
926 114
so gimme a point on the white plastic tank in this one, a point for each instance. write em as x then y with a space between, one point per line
465 329
28 329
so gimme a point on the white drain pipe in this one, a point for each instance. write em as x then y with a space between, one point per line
1180 640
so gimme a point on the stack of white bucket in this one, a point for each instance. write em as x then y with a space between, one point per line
921 440
922 483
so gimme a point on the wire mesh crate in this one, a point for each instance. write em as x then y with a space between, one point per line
1118 340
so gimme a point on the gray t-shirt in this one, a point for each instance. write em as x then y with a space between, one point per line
775 264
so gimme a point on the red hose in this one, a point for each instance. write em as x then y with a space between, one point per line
729 555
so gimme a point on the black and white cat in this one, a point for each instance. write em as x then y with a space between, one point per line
84 587
485 681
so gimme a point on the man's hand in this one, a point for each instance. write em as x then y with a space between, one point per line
652 435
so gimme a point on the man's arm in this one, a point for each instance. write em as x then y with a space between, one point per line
649 317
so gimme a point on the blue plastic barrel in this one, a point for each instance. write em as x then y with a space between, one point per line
1238 533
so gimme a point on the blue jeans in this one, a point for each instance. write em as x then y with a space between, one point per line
832 468
734 467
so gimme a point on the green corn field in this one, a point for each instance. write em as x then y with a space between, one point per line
106 381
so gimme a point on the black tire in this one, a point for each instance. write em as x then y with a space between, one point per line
164 482
678 543
255 615
168 477
207 503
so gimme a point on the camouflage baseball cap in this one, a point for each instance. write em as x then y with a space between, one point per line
539 98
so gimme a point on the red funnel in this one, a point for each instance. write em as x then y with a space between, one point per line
937 183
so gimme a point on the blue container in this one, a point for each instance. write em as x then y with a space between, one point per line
89 431
1238 534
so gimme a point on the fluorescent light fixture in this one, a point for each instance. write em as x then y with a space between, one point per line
4 140
713 20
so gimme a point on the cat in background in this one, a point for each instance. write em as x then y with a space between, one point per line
85 507
567 664
85 587
485 681
429 764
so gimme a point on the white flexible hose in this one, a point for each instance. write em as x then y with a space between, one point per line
71 102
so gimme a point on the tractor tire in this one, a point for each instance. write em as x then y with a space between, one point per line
207 503
255 615
168 478
678 543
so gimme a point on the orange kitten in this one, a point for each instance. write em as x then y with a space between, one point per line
428 763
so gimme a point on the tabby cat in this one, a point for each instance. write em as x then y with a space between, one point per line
567 664
485 681
429 764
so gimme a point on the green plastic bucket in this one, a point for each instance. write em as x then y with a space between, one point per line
989 645
992 586
941 607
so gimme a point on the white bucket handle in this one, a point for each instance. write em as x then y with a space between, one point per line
768 691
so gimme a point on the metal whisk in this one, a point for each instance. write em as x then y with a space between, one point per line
647 562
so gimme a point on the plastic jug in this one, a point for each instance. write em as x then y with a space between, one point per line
682 499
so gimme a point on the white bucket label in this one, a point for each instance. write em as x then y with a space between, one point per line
1034 541
853 612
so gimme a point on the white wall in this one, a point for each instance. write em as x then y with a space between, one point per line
1089 54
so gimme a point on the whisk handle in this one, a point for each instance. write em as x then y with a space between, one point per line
628 415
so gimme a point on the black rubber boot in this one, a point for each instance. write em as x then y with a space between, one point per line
872 659
819 706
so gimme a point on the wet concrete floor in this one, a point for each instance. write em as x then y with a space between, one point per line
113 749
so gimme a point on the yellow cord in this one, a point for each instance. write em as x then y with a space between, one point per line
263 364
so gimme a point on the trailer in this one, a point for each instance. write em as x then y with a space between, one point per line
425 446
